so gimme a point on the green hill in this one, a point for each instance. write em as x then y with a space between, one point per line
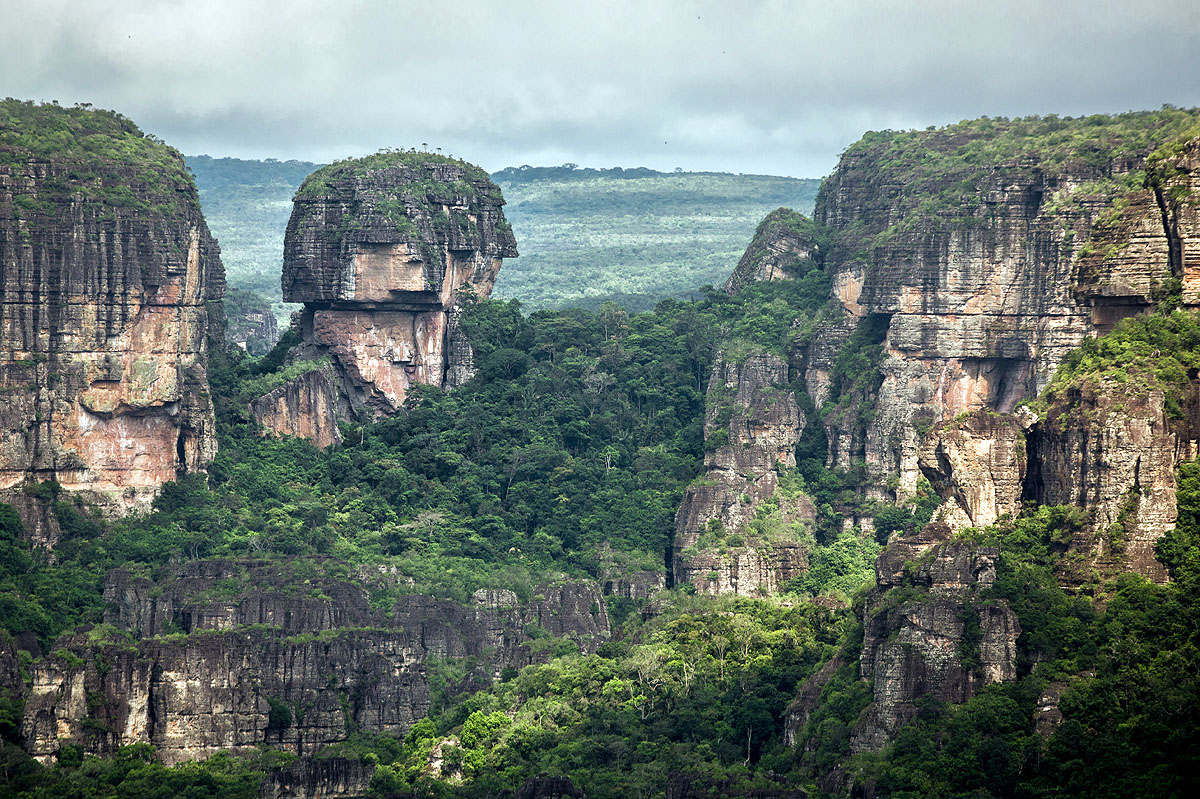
634 236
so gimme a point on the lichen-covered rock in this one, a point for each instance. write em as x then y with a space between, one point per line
230 654
783 245
752 425
105 268
936 637
378 250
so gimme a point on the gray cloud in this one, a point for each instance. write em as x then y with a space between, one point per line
759 86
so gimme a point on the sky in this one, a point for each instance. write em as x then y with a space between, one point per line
755 86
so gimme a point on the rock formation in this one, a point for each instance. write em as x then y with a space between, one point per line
751 428
977 463
783 244
226 655
942 642
105 268
378 250
980 295
1113 449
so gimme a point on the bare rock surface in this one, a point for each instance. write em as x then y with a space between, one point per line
379 249
231 654
105 269
751 428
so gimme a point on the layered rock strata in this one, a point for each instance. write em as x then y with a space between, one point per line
941 641
783 245
378 250
228 655
751 428
1113 449
981 299
105 268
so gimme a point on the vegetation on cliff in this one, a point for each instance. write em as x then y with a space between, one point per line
98 154
941 177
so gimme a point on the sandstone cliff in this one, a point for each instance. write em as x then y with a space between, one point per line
751 428
227 655
988 250
784 243
105 268
378 250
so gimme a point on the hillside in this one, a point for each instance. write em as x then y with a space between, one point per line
911 509
247 204
633 236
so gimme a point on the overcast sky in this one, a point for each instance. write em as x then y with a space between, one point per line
768 87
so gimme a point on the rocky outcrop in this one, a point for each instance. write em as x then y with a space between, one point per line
378 249
986 272
977 464
228 655
308 406
318 778
928 633
1112 448
105 268
546 788
752 425
783 245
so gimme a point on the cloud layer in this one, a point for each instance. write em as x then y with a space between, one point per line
753 86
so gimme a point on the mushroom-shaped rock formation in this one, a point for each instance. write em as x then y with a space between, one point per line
379 249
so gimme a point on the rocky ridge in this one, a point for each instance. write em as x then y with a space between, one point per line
225 655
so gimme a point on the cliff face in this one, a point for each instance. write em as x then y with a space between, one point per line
226 655
783 243
940 641
378 250
752 425
984 273
105 267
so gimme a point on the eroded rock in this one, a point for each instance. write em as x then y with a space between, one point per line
378 249
105 269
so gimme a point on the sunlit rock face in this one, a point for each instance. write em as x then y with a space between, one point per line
379 250
105 269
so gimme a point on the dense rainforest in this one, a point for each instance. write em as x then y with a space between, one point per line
568 454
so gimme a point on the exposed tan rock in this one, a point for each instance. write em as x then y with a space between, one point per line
782 245
378 250
915 648
752 425
1112 449
105 269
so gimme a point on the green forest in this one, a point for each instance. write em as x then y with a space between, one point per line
567 455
